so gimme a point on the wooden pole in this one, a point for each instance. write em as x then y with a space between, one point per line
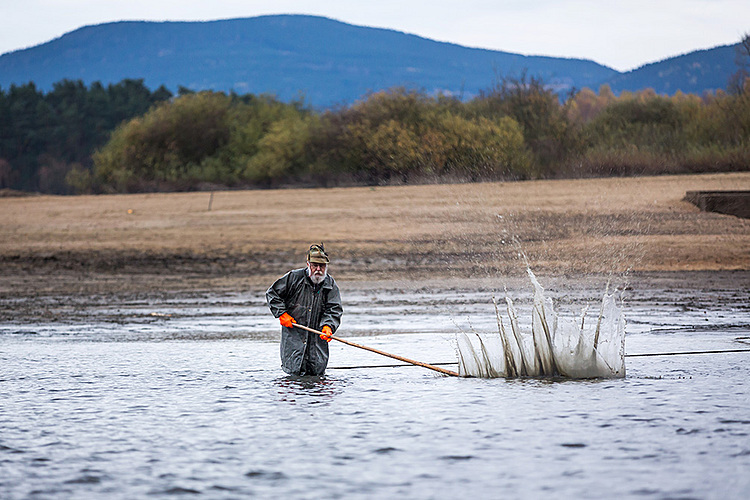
383 353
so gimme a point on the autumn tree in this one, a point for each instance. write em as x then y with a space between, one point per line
738 81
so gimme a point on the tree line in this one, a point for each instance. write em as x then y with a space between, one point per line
43 136
515 130
124 138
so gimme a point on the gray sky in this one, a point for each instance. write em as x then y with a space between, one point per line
618 33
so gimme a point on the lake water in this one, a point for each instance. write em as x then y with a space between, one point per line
145 397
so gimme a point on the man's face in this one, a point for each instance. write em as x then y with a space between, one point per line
317 271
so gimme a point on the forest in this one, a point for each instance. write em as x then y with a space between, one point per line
45 136
125 138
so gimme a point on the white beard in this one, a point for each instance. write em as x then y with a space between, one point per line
317 279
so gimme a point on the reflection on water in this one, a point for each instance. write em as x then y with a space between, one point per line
309 389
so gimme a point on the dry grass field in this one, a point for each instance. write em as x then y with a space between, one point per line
569 227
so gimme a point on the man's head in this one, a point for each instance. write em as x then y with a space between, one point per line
317 263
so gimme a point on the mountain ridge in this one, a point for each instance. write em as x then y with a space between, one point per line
321 59
712 67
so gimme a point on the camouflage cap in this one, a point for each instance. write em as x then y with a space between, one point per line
317 254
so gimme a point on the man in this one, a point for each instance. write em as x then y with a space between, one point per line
308 296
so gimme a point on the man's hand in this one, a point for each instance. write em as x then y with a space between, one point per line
327 332
286 320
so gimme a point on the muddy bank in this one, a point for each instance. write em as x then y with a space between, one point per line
172 243
71 296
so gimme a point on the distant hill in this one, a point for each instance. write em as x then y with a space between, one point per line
327 61
696 72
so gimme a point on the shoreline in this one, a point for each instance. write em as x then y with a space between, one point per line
621 227
75 299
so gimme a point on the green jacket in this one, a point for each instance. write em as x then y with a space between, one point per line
314 306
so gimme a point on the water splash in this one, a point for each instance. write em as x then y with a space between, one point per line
555 346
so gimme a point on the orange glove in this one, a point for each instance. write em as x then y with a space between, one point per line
286 320
327 332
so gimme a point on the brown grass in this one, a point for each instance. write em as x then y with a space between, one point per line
562 226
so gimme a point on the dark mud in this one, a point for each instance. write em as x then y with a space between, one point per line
106 287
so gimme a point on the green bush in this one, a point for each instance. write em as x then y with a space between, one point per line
167 144
517 130
281 152
400 135
547 131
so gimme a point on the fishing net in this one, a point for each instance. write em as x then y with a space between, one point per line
567 347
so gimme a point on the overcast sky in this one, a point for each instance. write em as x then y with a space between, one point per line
618 33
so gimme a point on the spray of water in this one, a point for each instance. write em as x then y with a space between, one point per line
554 346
